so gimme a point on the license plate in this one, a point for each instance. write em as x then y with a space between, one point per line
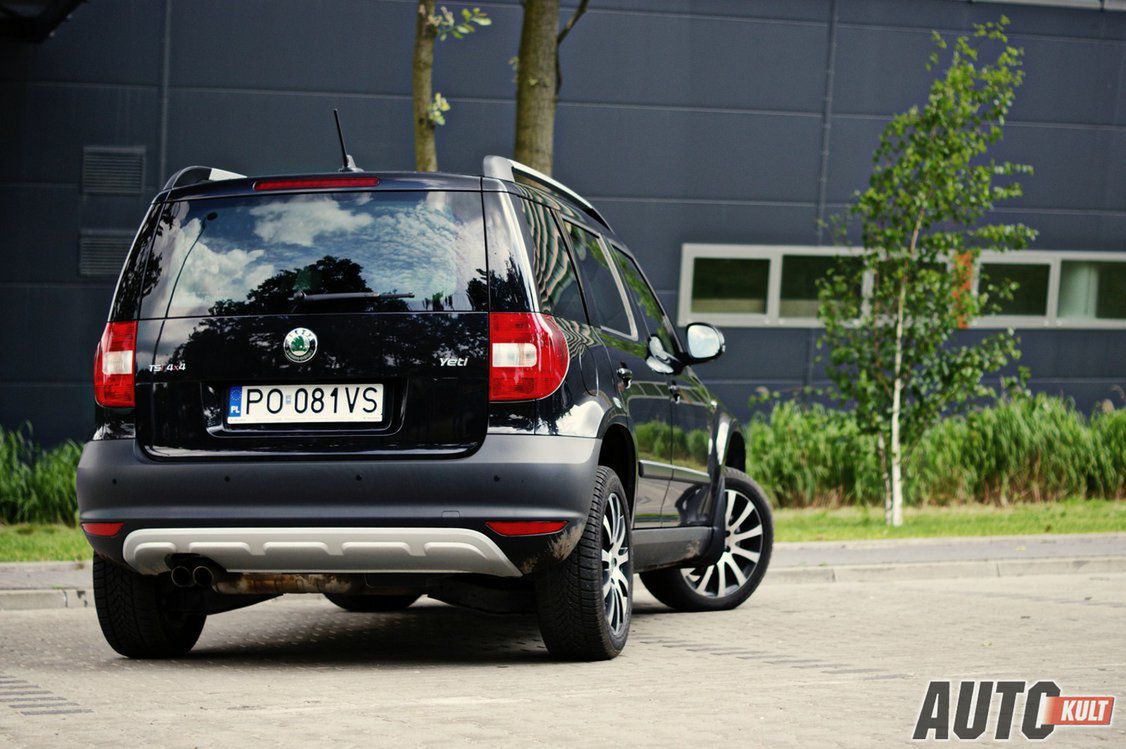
304 404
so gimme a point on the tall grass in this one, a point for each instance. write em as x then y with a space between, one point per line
36 485
1028 449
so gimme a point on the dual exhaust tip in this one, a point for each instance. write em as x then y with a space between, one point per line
200 576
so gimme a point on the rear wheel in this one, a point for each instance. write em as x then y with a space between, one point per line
370 604
135 618
746 555
586 602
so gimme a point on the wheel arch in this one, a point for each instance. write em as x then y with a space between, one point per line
619 453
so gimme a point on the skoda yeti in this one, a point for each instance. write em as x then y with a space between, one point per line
383 386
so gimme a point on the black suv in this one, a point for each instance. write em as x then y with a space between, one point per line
379 386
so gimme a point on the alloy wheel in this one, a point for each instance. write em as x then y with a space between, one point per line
617 570
741 552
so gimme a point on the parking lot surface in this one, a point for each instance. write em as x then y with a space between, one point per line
811 665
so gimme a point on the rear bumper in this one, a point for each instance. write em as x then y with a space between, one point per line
245 549
346 515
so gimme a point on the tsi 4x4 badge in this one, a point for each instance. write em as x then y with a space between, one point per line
492 424
300 345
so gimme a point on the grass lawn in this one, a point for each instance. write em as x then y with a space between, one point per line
29 543
36 543
856 523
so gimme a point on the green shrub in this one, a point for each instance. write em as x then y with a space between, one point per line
36 485
1018 450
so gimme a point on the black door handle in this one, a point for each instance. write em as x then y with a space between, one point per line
674 392
625 374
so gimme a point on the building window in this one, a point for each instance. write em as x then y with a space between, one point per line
730 285
1091 290
776 285
1030 292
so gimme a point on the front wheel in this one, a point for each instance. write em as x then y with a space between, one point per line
585 603
730 581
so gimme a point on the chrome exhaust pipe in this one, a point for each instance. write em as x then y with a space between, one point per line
181 576
203 576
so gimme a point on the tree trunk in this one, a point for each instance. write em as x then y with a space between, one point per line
535 84
425 148
896 519
882 455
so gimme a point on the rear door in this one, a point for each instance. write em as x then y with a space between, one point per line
298 324
643 390
685 459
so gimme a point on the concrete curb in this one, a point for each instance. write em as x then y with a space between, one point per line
79 598
870 573
62 598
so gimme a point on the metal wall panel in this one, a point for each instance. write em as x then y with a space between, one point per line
685 120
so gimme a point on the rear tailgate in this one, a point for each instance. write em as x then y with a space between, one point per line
324 324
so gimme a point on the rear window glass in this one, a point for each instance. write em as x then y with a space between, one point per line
424 251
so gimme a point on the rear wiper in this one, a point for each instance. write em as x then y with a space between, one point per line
301 296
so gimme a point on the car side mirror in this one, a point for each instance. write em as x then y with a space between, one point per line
705 342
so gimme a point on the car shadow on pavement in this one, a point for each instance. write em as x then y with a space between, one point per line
319 635
425 634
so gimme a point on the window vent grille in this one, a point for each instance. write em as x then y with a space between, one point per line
101 252
113 170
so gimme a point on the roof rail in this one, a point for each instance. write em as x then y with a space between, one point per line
499 167
193 175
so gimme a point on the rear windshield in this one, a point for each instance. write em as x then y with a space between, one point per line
422 251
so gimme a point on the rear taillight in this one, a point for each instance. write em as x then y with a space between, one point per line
113 365
528 356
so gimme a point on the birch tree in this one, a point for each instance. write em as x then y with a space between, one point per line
429 107
892 311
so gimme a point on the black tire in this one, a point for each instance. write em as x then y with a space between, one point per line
585 603
371 604
681 589
134 618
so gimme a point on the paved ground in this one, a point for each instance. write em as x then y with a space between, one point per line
814 665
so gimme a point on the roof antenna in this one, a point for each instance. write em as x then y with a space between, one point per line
349 162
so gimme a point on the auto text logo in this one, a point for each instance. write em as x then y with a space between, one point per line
965 712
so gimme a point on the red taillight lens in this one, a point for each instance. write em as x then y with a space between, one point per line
528 356
102 529
526 527
113 365
301 183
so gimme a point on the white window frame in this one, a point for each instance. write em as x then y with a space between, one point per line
775 253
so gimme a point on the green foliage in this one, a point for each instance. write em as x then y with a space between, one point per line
446 23
923 221
1022 449
36 485
436 113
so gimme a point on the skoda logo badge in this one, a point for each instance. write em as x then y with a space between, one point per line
300 345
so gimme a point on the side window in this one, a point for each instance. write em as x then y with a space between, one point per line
655 319
605 295
555 276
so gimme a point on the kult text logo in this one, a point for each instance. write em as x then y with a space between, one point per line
1043 710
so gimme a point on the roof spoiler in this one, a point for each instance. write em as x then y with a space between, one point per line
498 167
193 175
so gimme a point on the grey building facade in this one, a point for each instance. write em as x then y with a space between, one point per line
703 129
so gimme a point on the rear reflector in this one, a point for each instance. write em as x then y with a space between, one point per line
301 183
526 527
528 356
102 529
113 365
